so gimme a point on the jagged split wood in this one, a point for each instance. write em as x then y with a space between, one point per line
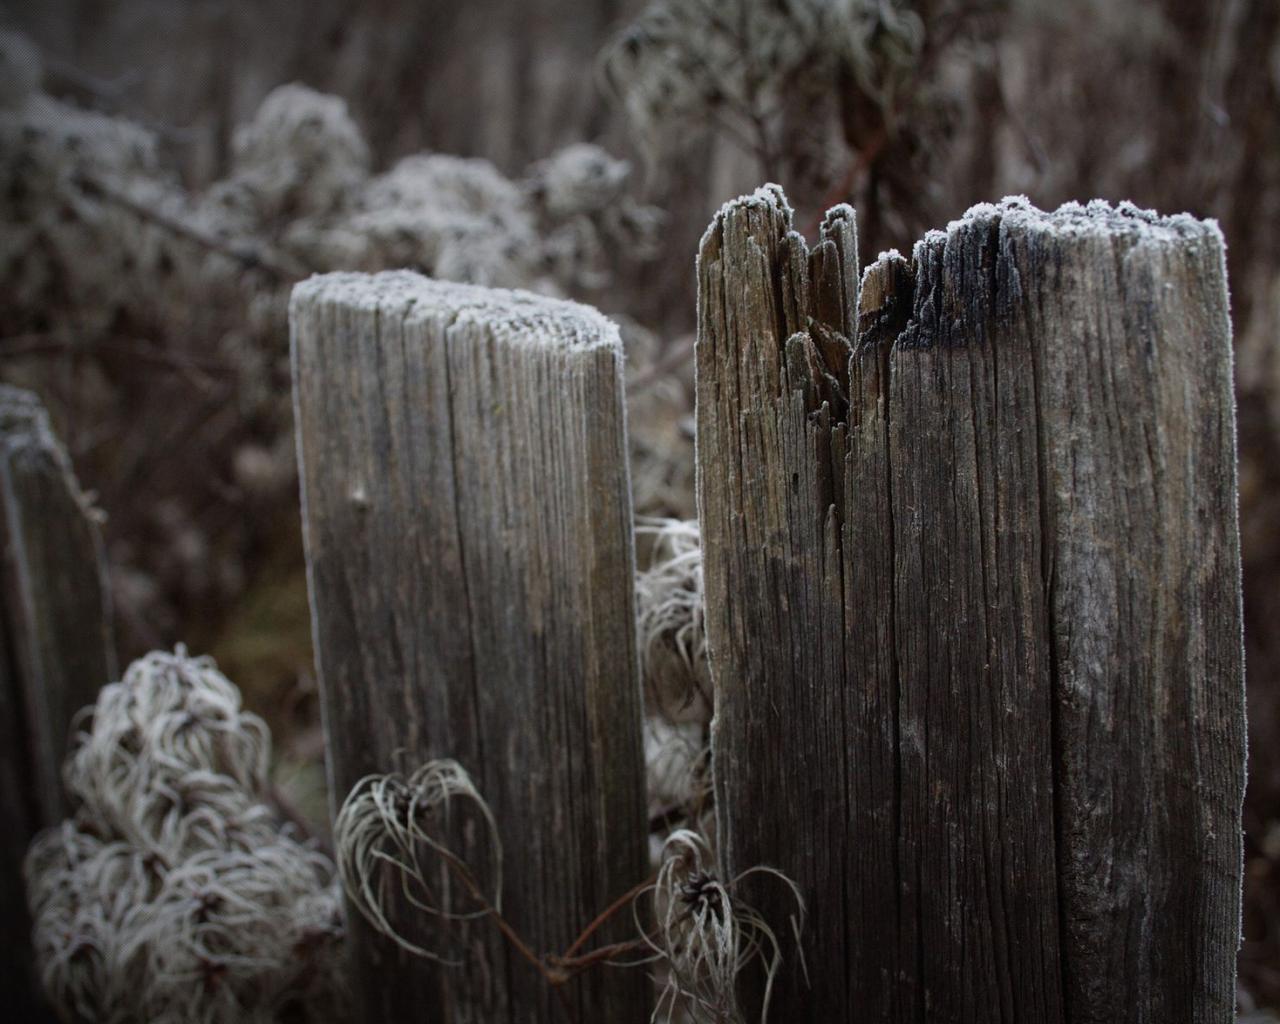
56 651
973 607
469 544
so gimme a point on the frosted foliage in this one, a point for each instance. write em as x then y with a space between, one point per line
462 220
301 155
580 198
107 259
669 621
174 894
20 69
660 427
393 835
70 253
449 217
172 732
299 198
733 60
580 178
675 755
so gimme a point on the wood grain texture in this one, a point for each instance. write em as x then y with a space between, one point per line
973 609
469 543
56 651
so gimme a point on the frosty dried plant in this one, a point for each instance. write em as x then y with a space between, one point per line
47 150
706 936
730 63
676 763
301 155
449 217
587 216
677 760
660 423
168 760
579 179
173 893
393 839
669 620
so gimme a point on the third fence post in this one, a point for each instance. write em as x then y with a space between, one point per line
56 651
973 609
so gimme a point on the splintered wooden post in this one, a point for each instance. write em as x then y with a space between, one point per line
973 608
468 529
56 650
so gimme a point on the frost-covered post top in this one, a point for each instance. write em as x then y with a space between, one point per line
512 317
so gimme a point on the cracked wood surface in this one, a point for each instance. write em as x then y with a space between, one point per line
468 530
973 610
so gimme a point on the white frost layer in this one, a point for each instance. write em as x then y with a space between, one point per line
1097 217
513 317
768 197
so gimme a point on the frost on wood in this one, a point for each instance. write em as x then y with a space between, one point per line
468 530
970 557
514 319
173 893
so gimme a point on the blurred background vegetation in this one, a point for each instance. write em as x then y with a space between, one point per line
168 170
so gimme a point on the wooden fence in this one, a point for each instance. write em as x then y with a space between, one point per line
972 601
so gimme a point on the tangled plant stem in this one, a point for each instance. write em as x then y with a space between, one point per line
391 839
386 826
706 935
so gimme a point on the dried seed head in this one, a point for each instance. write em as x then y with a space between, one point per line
705 936
406 837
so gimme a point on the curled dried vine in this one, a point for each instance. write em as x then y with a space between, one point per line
392 838
391 835
707 936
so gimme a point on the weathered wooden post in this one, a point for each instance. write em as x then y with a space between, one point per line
468 528
56 651
973 607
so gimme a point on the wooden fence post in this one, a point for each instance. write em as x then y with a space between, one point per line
56 650
468 528
973 608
